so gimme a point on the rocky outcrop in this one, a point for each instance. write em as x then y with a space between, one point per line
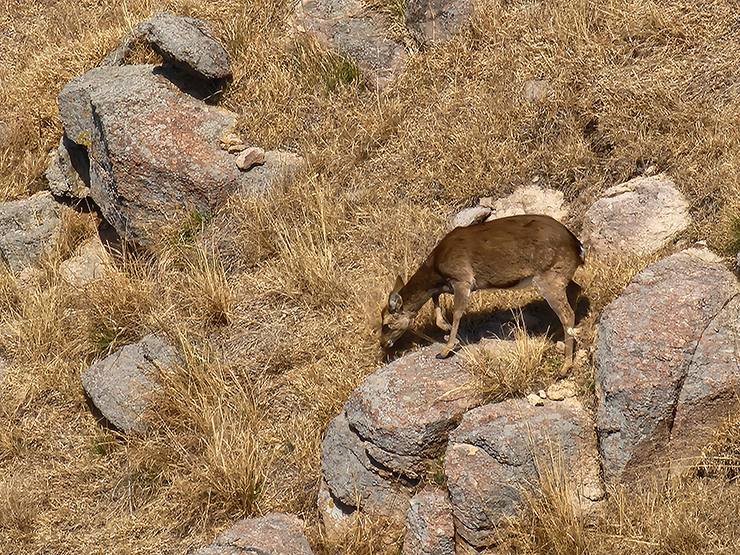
183 41
121 385
154 152
276 533
432 22
636 217
350 27
499 452
393 426
652 363
29 230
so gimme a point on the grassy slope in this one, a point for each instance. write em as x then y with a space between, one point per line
279 328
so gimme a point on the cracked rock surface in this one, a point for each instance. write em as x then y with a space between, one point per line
649 369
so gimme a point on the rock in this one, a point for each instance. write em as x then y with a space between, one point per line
249 157
646 341
529 199
499 453
121 385
469 216
68 173
338 519
535 400
637 217
709 395
561 390
430 529
183 41
408 407
29 230
352 478
432 22
350 27
188 42
89 263
154 151
276 533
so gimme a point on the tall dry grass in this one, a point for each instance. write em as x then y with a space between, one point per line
274 302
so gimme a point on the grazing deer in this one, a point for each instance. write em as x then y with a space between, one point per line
508 253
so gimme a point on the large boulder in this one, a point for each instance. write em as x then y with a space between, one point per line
499 453
350 27
29 230
393 427
154 153
122 385
648 340
276 533
407 408
184 41
709 395
432 22
636 217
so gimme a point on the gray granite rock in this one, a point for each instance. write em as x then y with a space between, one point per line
121 385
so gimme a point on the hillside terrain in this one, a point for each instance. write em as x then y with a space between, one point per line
275 301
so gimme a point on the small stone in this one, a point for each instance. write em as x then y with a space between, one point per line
249 157
542 394
230 139
560 390
535 400
234 149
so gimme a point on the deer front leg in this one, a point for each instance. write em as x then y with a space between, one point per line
440 319
462 293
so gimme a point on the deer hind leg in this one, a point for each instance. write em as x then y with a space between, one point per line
462 294
554 290
440 319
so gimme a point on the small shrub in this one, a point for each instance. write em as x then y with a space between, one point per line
324 69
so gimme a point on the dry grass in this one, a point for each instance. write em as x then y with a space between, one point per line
275 302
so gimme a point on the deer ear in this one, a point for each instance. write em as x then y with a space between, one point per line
395 302
399 284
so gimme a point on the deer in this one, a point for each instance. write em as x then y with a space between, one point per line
506 253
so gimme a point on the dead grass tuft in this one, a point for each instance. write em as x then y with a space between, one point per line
503 369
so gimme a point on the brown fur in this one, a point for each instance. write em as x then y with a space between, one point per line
506 253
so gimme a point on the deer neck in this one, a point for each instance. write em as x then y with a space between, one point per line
422 286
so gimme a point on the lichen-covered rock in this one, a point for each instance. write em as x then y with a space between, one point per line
276 533
636 217
499 451
29 230
350 27
430 529
353 478
710 394
647 340
68 173
408 407
432 22
184 41
154 152
121 385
